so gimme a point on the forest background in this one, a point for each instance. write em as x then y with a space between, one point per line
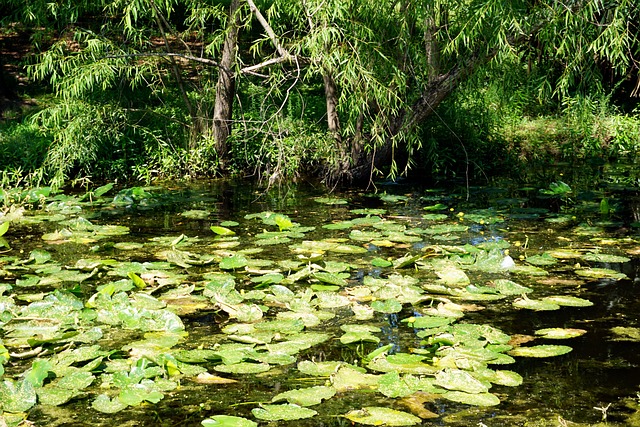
344 90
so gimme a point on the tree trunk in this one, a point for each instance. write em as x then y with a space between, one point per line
225 88
366 163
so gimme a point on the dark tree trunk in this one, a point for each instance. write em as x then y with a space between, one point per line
225 88
364 163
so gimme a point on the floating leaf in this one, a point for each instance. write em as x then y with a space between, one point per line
243 368
228 421
306 396
456 379
600 273
388 306
475 399
568 301
17 396
331 278
380 416
605 258
560 333
381 262
286 412
196 214
233 262
540 351
103 403
222 231
331 200
508 287
537 305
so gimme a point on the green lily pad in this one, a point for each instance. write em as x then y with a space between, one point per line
508 287
196 214
560 333
380 416
567 301
228 421
600 273
475 399
544 259
243 368
285 412
537 305
393 385
306 396
222 231
381 262
456 379
17 396
605 258
540 351
104 404
337 279
387 306
234 262
331 200
323 369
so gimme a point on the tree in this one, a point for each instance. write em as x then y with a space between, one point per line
383 66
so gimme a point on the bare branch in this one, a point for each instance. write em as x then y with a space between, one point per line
267 28
170 54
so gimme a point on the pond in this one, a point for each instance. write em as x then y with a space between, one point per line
221 304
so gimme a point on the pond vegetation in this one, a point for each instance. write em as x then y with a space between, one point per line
217 305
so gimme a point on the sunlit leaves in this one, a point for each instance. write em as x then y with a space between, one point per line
376 416
283 412
541 351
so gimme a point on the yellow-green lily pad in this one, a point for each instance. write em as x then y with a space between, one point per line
380 416
540 351
306 396
285 412
560 333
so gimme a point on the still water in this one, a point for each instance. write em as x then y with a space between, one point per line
442 247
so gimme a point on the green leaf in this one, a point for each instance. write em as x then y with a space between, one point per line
388 306
104 404
4 227
379 416
475 399
286 412
228 421
17 397
306 396
541 351
560 333
222 231
456 379
137 280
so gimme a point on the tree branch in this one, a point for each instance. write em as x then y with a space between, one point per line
267 28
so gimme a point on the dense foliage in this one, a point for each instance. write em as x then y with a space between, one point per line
347 88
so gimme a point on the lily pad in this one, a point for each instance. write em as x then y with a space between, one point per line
598 257
560 333
537 305
285 412
306 396
568 301
600 273
475 399
541 351
228 421
380 416
456 379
